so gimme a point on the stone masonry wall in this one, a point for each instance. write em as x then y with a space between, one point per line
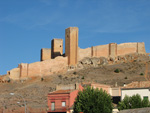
47 67
71 45
84 53
57 47
23 69
100 51
112 50
14 73
126 48
141 48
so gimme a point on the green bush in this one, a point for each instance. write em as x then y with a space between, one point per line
93 101
145 103
82 77
125 77
75 73
133 102
117 71
141 74
42 79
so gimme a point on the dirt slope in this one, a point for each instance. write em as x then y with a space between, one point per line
35 90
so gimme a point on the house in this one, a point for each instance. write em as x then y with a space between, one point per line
62 100
142 88
114 92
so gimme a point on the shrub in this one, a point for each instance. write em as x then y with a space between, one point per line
125 77
82 77
117 71
74 73
125 103
145 103
93 101
133 102
141 74
42 79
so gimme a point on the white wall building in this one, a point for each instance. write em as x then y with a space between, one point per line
142 88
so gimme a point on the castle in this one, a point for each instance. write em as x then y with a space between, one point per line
54 61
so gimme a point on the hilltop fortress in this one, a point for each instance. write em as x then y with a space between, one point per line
54 61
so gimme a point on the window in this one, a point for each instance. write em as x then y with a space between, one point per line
53 106
145 97
63 104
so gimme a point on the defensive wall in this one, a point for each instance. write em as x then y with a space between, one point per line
44 68
54 61
112 50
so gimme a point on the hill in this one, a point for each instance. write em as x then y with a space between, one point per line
100 70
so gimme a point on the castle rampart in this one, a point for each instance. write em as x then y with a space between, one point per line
73 53
100 51
112 50
14 73
84 53
44 68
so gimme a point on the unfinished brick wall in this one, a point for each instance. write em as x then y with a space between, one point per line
45 54
71 45
112 50
57 47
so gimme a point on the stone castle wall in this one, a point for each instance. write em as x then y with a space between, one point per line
84 53
126 48
44 68
14 73
141 48
100 51
73 53
112 50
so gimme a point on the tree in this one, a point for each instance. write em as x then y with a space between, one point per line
132 102
145 103
125 104
92 100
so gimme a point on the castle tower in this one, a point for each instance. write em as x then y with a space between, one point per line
141 48
57 47
71 45
112 50
45 54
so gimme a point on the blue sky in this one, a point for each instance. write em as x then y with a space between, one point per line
26 26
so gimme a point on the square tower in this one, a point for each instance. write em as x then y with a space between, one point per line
71 45
45 54
57 47
113 50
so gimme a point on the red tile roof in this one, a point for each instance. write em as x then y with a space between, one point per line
61 91
140 84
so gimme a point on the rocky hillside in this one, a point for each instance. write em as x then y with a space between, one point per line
123 69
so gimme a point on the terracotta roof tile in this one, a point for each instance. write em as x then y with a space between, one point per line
140 84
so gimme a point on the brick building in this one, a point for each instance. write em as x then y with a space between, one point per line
61 101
